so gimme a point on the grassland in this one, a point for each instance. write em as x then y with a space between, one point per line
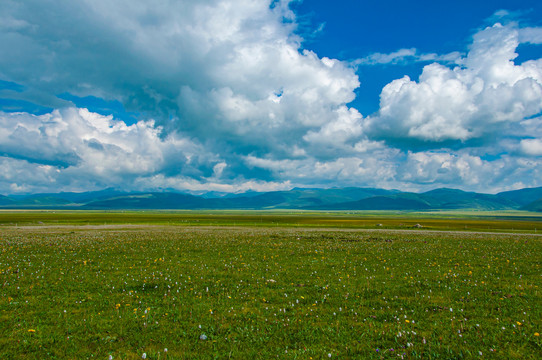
511 221
286 286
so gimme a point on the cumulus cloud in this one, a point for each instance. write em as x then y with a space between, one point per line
473 123
216 69
79 149
229 75
484 98
231 101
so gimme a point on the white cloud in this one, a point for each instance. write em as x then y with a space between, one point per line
238 104
442 167
74 137
74 149
531 35
213 69
391 58
77 150
339 132
193 185
449 168
75 145
402 56
483 98
532 147
371 169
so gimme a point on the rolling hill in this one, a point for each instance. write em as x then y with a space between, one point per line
523 197
534 206
4 200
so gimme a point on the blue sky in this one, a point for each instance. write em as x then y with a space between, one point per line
354 29
232 96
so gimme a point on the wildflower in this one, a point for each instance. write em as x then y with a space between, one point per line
144 356
536 334
203 337
165 350
110 357
31 330
329 355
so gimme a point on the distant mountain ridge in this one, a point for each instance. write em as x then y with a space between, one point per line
351 198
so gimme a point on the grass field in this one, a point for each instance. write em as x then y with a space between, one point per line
279 288
511 221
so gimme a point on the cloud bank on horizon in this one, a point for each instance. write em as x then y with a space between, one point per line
228 99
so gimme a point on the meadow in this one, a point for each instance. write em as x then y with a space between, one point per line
160 290
487 221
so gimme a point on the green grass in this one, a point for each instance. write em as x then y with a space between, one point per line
513 221
267 292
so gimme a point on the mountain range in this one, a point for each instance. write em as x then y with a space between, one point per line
529 199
